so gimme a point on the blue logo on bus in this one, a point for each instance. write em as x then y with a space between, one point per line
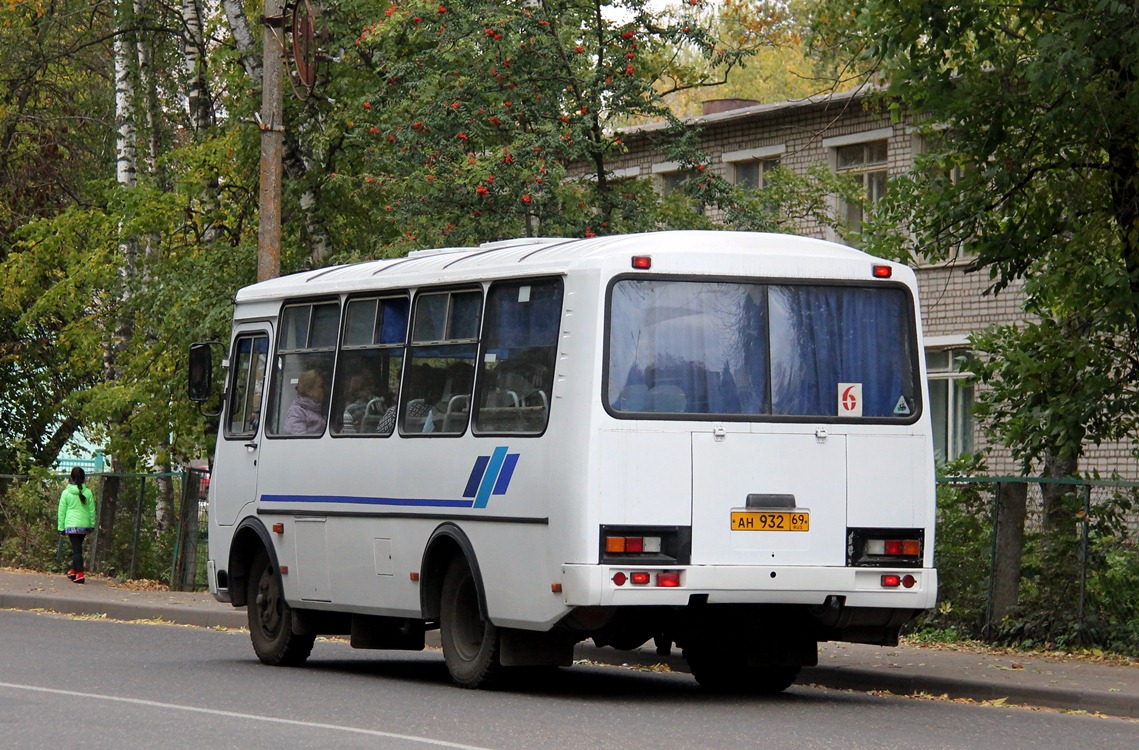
490 476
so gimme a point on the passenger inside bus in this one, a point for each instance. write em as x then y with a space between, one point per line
306 415
363 401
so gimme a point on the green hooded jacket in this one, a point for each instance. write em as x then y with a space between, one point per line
74 514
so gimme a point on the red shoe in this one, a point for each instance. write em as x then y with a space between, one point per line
71 574
79 578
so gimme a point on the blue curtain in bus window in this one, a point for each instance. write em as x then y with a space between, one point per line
393 326
823 336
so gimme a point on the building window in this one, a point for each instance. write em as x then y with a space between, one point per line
950 402
751 168
754 173
670 182
865 164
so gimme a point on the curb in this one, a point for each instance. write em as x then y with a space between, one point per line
220 618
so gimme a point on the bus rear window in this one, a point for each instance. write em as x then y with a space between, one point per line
715 349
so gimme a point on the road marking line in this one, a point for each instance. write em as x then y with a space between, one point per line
237 715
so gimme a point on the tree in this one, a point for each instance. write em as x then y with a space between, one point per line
476 120
54 105
1031 172
1031 168
781 68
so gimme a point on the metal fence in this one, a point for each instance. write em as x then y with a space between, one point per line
1048 561
132 540
1040 561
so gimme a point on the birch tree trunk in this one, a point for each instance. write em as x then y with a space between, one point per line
198 99
126 173
243 38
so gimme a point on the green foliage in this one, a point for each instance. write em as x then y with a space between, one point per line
1029 170
477 120
28 536
1048 612
962 552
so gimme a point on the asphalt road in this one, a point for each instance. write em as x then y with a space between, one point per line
100 684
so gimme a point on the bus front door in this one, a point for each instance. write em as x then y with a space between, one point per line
235 461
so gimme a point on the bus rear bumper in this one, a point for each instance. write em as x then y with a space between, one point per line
613 585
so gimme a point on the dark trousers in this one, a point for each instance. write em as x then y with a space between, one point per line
77 552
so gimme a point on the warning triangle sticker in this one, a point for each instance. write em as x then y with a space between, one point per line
902 407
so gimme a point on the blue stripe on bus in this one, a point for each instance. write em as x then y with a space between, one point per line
504 475
476 476
491 476
405 501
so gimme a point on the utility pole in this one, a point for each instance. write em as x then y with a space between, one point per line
272 123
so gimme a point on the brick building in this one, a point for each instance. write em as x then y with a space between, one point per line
743 139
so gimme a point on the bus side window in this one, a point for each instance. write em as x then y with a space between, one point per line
302 372
440 376
369 366
520 343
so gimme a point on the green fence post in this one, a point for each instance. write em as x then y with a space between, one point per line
137 523
987 629
176 574
1084 551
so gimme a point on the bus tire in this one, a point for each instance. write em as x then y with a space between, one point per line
470 642
271 620
720 671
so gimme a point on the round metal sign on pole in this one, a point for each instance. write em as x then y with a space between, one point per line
305 48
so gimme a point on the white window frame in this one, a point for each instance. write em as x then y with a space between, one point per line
957 417
764 157
862 171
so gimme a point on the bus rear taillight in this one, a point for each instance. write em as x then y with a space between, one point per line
646 545
885 547
632 544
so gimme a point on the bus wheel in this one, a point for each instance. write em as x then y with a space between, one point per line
270 619
470 643
723 672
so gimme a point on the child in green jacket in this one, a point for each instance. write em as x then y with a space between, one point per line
76 519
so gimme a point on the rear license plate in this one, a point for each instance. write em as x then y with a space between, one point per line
751 520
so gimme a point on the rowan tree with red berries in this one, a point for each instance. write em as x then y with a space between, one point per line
488 119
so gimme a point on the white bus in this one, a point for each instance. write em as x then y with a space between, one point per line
711 439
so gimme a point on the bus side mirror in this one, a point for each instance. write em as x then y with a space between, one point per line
201 372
